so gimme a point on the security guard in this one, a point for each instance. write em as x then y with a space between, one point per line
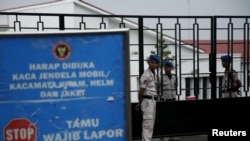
231 81
168 83
148 97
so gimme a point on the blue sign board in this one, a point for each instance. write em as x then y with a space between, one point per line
67 86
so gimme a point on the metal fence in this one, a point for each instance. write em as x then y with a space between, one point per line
195 44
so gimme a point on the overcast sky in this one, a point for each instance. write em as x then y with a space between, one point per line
175 7
157 7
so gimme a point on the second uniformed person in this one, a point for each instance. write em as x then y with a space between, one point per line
148 97
168 83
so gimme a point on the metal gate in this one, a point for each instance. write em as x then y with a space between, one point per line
194 43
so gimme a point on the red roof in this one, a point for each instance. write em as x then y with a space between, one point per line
223 46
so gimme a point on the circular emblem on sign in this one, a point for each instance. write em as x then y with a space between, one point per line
61 51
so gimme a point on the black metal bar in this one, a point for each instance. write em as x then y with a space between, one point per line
198 57
178 47
159 41
140 45
213 59
246 58
61 22
122 24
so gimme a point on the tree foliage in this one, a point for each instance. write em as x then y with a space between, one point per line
162 52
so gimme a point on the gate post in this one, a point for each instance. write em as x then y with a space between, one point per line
141 50
212 59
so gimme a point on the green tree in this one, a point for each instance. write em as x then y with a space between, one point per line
161 51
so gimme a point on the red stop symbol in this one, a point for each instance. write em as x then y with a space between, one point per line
20 129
